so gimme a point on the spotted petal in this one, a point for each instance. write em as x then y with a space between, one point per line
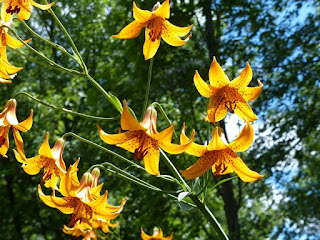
217 109
171 38
244 140
132 30
244 79
150 47
251 93
152 157
141 15
203 88
217 77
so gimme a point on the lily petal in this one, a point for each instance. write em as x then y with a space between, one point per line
133 143
164 135
217 109
194 149
203 88
150 47
174 148
141 15
152 157
217 77
169 238
13 43
251 93
216 142
9 68
164 10
41 6
33 165
244 140
240 168
203 164
25 12
244 79
5 145
132 30
26 124
127 121
144 235
117 138
19 141
45 149
20 159
173 39
175 30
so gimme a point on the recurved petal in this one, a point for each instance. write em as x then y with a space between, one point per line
203 88
19 141
144 236
165 135
174 148
152 157
66 205
251 93
116 138
244 79
240 168
217 109
34 165
173 39
41 6
169 238
26 124
164 10
20 159
5 141
11 114
175 30
132 30
45 149
244 140
193 149
25 12
13 43
141 15
203 164
217 77
242 108
150 47
216 142
128 122
10 69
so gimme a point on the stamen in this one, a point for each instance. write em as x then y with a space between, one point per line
231 106
140 153
2 141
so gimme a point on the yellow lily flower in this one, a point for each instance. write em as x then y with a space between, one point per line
82 199
8 119
156 27
81 228
143 139
220 156
49 159
157 235
21 7
226 95
7 70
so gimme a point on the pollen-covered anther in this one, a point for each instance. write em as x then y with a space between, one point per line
231 106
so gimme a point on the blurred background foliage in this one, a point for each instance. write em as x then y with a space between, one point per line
279 38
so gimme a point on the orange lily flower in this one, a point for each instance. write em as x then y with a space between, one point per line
8 71
156 27
49 159
157 235
226 95
220 156
143 139
82 199
8 118
21 7
81 228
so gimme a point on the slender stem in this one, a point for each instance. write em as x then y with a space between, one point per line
70 71
84 67
209 216
64 109
102 148
57 46
145 104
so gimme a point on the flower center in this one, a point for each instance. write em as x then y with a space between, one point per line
46 175
140 152
13 9
156 29
230 105
221 168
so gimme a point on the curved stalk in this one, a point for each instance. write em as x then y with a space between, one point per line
64 109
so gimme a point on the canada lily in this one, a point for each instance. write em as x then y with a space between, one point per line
226 95
8 119
157 235
7 71
157 26
143 139
49 159
21 7
82 199
220 156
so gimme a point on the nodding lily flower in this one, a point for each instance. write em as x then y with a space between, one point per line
82 199
157 27
21 7
220 156
226 95
81 228
157 235
8 71
49 159
8 119
143 139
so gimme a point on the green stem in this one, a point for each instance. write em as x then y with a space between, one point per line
145 104
56 46
64 109
102 148
74 47
209 216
